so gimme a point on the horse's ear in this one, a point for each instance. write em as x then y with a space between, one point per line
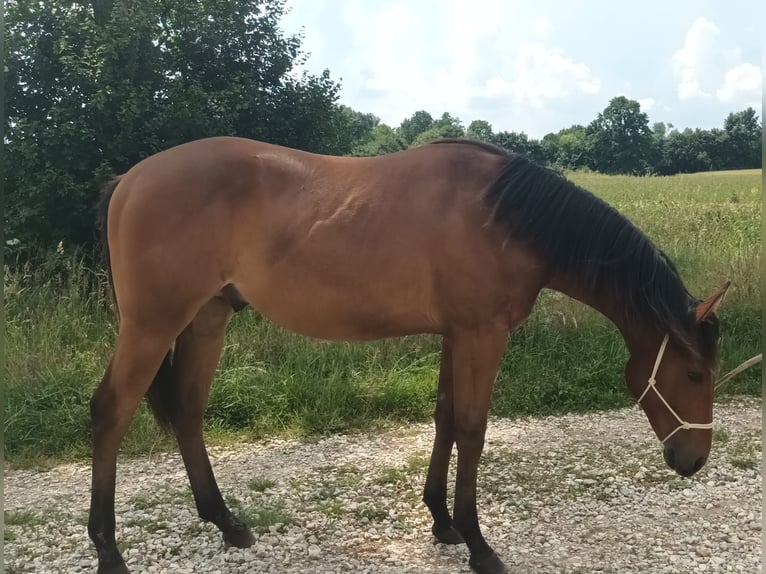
710 305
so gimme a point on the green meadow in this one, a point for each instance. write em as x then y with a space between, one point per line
60 329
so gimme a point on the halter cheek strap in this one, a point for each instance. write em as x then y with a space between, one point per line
652 384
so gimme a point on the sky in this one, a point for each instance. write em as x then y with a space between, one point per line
537 66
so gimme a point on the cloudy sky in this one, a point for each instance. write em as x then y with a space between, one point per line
537 66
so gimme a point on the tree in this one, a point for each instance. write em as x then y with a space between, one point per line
684 152
415 125
743 131
445 127
619 138
519 142
574 148
480 130
354 129
382 140
658 158
93 88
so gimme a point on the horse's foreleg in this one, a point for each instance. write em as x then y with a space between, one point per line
198 350
435 491
137 357
476 357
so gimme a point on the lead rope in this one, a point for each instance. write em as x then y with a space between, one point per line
682 424
745 365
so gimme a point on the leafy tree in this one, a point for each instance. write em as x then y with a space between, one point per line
620 139
480 130
445 127
519 142
516 142
713 144
449 122
743 131
415 125
354 129
382 140
574 148
92 88
658 158
684 152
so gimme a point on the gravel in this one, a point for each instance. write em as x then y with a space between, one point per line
569 494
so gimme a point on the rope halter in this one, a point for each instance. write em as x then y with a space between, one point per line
652 384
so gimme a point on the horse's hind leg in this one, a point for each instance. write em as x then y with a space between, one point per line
435 491
198 349
137 358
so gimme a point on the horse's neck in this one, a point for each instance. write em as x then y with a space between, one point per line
633 332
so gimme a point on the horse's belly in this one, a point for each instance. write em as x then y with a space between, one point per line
334 312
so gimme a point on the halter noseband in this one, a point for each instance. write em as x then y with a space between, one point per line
652 384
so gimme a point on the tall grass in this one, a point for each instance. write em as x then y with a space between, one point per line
60 330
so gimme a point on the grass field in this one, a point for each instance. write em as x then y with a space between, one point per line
566 358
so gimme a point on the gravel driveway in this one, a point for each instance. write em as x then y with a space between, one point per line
570 494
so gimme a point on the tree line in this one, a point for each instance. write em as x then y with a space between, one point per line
93 87
618 141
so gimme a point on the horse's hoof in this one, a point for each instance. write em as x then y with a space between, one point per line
448 535
239 536
489 565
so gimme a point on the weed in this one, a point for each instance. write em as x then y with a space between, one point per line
744 455
147 524
144 502
720 434
21 518
372 513
391 476
262 518
678 483
331 507
261 484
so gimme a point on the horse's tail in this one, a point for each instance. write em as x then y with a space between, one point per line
103 211
160 394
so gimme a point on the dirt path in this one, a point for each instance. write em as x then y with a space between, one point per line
571 494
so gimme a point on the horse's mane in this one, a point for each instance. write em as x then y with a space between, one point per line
592 244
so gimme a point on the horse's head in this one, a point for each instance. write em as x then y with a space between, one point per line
674 385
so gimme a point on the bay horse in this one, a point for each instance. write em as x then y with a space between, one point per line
455 238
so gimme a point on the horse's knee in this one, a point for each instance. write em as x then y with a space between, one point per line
470 436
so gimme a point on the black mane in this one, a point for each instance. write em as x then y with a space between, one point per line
591 243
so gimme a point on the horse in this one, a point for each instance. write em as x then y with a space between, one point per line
455 238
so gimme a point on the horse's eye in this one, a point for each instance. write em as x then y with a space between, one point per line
695 376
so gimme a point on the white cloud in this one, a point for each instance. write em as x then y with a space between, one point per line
705 69
524 66
461 57
541 28
538 73
743 82
695 61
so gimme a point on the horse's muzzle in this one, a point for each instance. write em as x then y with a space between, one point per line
682 461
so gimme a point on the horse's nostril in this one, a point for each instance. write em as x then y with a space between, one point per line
699 464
